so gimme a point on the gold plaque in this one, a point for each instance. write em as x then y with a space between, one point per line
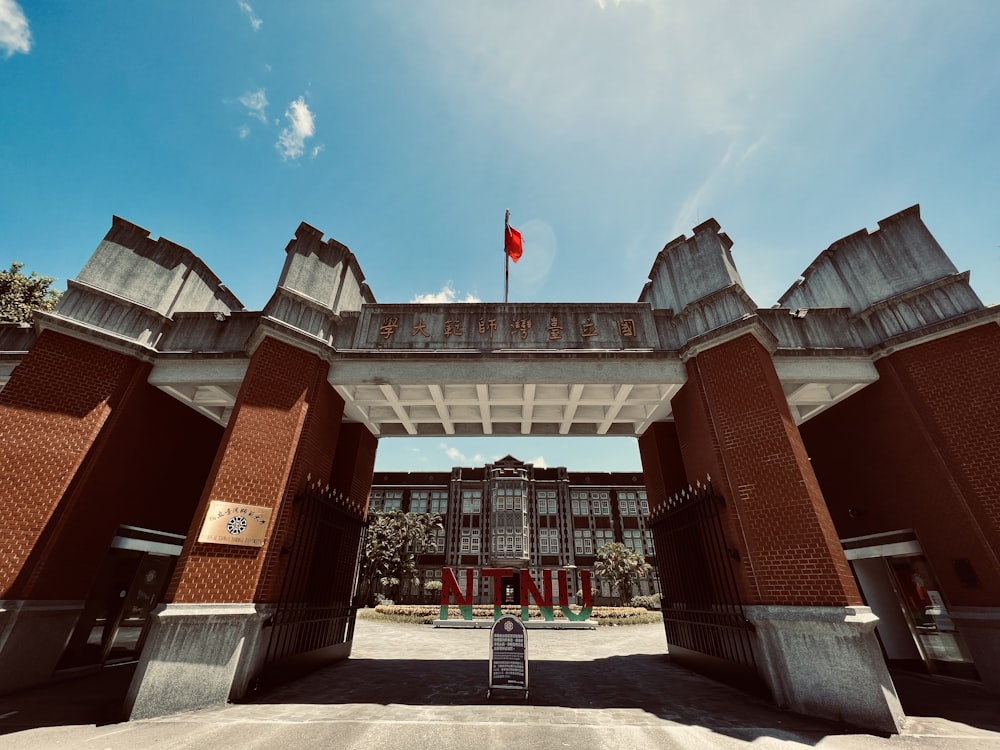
235 523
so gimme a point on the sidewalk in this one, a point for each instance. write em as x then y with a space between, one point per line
411 686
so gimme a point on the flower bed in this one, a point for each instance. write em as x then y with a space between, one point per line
427 614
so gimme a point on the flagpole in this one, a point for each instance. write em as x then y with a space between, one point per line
506 257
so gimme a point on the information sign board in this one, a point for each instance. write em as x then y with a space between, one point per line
508 656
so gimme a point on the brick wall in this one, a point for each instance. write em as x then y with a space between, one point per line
284 427
147 471
354 465
920 449
52 411
734 423
662 463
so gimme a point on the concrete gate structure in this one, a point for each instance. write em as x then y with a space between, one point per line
150 407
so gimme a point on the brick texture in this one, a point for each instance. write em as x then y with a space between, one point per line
284 429
354 464
147 469
52 411
662 463
920 449
734 425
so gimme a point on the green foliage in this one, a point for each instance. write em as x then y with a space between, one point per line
621 567
646 602
391 547
21 295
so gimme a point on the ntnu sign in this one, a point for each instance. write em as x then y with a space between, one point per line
529 590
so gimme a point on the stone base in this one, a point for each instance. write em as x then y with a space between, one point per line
529 624
826 662
980 629
33 635
197 655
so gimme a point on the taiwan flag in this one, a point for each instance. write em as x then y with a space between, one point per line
512 243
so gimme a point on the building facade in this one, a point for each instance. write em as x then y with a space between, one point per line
513 514
186 482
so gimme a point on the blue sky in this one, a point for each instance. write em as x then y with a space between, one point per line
405 129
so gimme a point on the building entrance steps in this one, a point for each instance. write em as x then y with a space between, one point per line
415 686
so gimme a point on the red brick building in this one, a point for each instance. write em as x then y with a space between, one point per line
185 482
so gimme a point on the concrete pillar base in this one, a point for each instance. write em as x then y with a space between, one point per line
980 628
33 635
197 655
826 662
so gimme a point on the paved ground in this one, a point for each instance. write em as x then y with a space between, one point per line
416 687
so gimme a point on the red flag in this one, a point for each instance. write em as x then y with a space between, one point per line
512 243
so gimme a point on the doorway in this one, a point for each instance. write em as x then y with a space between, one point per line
131 581
899 584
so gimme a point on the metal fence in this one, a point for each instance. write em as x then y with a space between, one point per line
315 609
701 603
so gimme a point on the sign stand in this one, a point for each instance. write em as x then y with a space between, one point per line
508 656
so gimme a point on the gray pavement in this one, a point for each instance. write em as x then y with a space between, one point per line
410 686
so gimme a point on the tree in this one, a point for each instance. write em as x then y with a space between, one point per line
21 295
621 567
391 547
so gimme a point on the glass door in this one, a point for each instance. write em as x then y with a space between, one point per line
941 645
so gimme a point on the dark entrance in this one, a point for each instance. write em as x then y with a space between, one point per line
129 584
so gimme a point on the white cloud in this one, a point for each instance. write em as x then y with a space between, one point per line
317 151
447 295
301 126
455 455
539 462
15 36
244 131
254 20
256 104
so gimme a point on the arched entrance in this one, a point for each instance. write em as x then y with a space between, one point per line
714 389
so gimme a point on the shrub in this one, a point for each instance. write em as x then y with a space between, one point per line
646 602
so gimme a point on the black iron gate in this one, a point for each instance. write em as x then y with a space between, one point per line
315 613
702 613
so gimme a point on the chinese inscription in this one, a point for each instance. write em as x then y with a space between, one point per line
521 329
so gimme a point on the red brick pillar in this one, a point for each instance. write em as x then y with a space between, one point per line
209 639
815 642
59 405
918 450
662 463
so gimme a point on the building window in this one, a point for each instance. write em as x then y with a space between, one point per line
439 502
644 507
375 502
633 540
548 541
600 503
602 537
647 537
583 542
418 502
627 504
392 500
470 541
472 502
580 506
546 502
